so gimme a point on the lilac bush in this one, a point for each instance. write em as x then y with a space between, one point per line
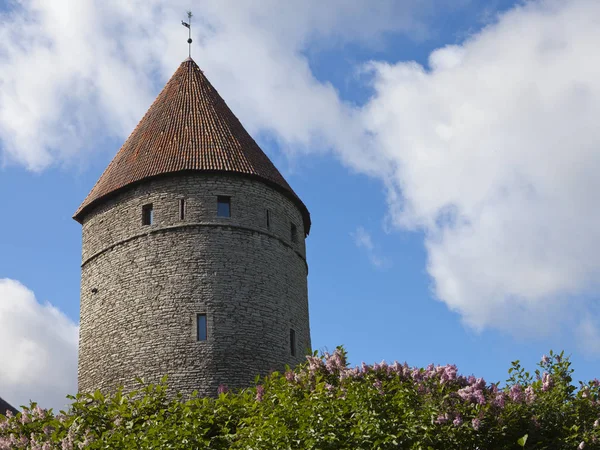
326 404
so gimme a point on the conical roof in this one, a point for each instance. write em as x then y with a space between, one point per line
189 127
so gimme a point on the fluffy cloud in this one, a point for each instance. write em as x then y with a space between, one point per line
496 154
38 349
363 240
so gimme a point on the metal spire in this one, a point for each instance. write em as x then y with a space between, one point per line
188 25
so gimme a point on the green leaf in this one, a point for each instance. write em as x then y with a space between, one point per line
523 440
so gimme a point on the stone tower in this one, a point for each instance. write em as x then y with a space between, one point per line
194 259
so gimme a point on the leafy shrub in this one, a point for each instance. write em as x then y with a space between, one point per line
324 404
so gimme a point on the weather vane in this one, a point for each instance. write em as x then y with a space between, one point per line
188 25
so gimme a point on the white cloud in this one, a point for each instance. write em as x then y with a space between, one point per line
38 349
496 153
363 240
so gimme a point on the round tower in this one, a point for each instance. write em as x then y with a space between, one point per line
194 261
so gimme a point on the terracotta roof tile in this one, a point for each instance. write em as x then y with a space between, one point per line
189 127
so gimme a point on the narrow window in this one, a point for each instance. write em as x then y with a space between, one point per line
268 219
292 342
223 206
201 324
294 233
147 214
182 209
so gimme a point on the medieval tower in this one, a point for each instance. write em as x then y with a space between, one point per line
194 261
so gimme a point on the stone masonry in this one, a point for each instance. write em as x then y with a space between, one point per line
143 285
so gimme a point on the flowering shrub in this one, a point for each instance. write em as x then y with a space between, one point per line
324 404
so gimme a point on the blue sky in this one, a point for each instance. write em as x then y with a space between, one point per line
452 195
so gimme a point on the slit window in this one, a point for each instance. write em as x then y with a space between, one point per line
147 214
292 342
268 219
294 233
223 206
201 332
182 209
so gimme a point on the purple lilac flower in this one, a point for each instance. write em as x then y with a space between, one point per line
529 395
416 375
67 443
290 376
476 423
314 364
545 359
260 391
25 417
547 382
457 421
449 373
335 362
472 394
223 389
516 393
596 423
379 386
39 413
442 418
365 367
500 399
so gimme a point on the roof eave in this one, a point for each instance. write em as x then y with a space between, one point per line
87 207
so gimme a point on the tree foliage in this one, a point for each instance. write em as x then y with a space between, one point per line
325 404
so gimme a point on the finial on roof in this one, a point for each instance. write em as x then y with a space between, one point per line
188 25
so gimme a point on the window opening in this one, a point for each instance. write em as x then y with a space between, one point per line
294 233
292 342
223 206
147 214
268 219
182 209
202 334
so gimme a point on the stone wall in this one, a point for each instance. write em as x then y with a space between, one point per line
143 286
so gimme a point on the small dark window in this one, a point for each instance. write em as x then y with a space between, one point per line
182 209
223 206
292 342
294 233
147 214
268 219
202 329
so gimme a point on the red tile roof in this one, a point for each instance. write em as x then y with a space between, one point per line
189 127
